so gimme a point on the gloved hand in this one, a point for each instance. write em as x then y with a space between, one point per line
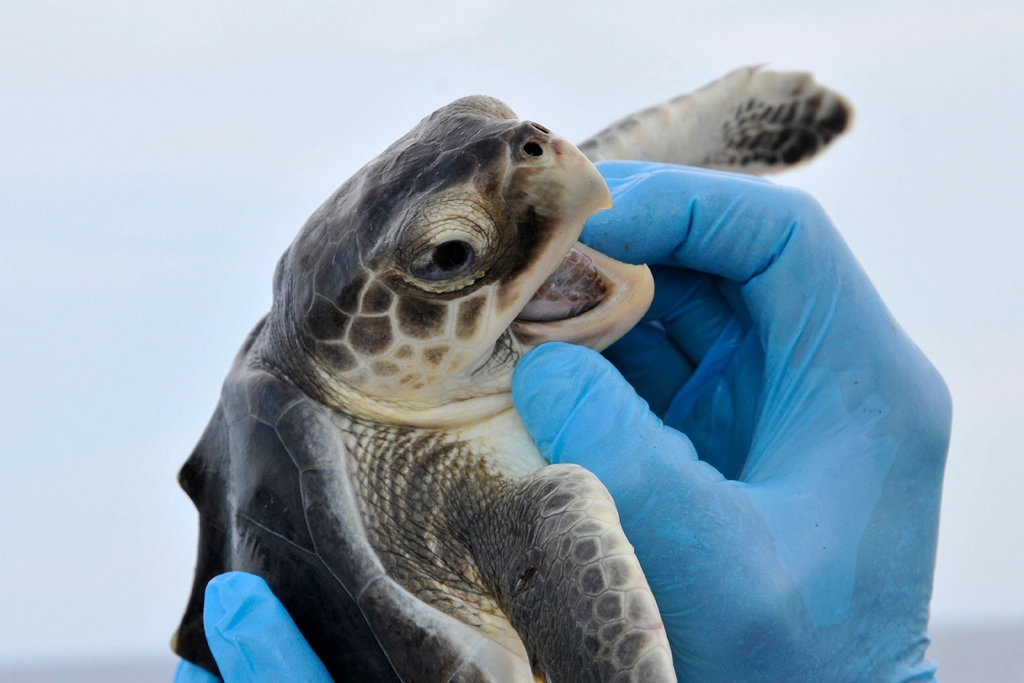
251 636
786 511
800 545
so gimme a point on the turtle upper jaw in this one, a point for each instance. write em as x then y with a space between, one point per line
591 300
571 293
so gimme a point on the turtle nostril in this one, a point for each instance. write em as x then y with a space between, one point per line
533 149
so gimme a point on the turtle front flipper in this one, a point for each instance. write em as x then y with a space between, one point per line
752 121
567 579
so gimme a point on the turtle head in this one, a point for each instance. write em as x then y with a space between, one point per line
410 295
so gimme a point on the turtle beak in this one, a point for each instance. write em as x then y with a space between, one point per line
551 189
569 292
584 190
554 184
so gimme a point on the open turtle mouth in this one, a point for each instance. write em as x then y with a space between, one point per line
590 299
574 288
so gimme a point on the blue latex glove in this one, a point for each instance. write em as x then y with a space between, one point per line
786 511
252 637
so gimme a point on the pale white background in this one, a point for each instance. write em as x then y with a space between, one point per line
155 160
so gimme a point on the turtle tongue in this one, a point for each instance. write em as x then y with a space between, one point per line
574 288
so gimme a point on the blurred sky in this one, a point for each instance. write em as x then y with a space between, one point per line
156 159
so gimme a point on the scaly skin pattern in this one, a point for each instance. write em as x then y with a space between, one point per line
751 121
402 346
473 523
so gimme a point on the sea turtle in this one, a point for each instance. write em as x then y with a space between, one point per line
365 458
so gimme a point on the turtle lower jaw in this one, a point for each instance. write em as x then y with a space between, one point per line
598 302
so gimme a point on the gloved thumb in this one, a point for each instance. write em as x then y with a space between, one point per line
579 409
252 636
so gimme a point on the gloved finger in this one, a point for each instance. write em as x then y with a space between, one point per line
252 636
652 363
691 309
818 319
737 227
187 672
579 409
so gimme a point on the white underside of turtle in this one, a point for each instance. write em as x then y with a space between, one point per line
365 457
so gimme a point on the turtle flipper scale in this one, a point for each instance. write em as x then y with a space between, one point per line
569 582
752 120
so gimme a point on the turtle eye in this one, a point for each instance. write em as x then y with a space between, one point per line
444 261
